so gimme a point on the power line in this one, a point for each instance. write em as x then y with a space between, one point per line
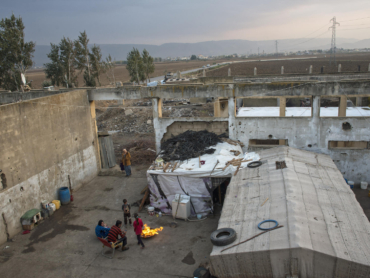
305 37
292 46
355 28
355 19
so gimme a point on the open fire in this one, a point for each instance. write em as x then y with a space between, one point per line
147 232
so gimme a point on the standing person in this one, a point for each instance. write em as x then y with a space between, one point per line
126 161
116 231
138 228
102 230
126 207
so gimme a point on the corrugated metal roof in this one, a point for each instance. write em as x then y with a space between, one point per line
325 229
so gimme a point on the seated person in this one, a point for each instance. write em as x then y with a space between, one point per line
102 230
116 231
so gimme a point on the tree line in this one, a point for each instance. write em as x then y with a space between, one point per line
67 59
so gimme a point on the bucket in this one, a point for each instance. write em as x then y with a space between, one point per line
64 195
151 211
364 185
351 184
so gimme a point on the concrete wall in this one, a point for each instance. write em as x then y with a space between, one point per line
42 142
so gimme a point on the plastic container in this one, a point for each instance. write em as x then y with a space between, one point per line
50 210
44 213
364 185
351 184
56 203
151 211
44 204
199 216
52 206
64 195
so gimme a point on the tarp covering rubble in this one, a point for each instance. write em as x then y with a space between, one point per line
195 180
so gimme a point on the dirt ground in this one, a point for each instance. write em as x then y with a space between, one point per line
121 73
65 244
349 63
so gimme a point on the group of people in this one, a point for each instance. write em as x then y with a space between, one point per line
115 234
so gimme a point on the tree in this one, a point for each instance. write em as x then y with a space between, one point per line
67 59
15 54
109 68
148 64
193 57
97 65
135 66
54 69
83 58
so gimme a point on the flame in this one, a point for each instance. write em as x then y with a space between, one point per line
147 232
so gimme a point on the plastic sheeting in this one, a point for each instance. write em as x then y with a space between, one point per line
164 188
194 181
190 168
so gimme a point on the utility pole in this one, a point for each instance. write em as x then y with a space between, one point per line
333 44
258 51
276 47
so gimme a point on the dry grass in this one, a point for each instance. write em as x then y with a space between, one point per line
121 74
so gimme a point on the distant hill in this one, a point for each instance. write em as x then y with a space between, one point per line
226 47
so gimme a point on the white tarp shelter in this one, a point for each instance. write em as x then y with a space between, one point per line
192 180
325 233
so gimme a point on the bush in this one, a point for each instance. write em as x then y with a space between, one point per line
46 83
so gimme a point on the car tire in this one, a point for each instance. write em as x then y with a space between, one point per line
254 164
222 237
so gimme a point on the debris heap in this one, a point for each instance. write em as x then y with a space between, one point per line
190 144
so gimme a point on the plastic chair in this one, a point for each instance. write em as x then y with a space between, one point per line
111 245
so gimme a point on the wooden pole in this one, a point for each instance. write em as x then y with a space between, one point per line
144 199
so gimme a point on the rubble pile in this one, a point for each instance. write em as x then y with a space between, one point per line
190 144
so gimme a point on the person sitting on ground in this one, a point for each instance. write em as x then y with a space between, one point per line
126 161
126 211
116 231
138 227
102 230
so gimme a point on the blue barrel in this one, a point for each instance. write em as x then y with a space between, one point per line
64 195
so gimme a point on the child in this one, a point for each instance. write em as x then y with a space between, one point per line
138 228
126 211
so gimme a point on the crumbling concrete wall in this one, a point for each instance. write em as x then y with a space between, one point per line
42 142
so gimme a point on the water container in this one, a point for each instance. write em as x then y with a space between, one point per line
45 213
50 211
52 205
64 195
351 184
56 203
364 185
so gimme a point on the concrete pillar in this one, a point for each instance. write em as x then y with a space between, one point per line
204 72
178 75
93 117
342 106
282 69
310 70
340 68
229 72
368 69
232 119
316 107
255 71
358 101
282 106
221 108
157 114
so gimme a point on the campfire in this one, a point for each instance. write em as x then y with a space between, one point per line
147 232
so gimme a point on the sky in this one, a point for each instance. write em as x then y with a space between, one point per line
187 21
